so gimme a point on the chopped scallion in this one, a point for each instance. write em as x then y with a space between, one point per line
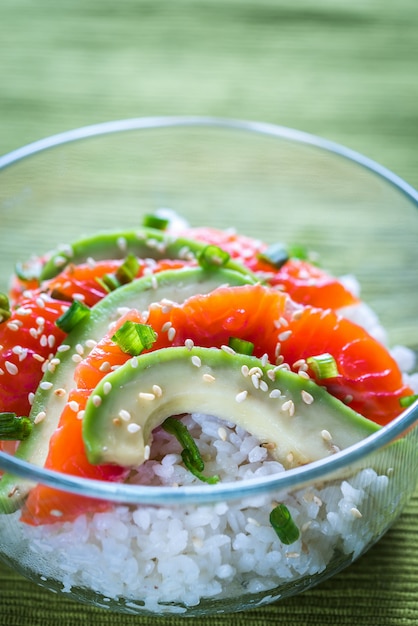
124 274
5 312
13 428
283 524
323 365
73 316
133 338
276 255
242 346
190 454
408 400
212 257
154 221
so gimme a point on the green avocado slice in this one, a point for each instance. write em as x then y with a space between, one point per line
144 243
298 420
176 285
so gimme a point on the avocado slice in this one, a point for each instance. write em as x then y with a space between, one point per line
299 420
176 285
144 243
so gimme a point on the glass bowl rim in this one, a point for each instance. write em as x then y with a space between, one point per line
158 495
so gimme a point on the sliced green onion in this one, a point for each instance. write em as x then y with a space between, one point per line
276 255
73 316
123 275
408 400
188 462
5 312
283 524
128 270
212 257
190 454
179 430
154 221
242 346
133 338
298 252
323 365
13 428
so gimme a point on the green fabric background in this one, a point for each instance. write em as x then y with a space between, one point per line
344 70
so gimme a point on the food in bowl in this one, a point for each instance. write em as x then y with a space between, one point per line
178 356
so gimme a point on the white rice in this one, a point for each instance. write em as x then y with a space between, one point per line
183 555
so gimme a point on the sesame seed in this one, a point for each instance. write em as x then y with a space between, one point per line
275 393
263 386
326 435
74 406
124 415
289 407
146 396
79 296
91 343
133 428
303 374
264 359
107 388
306 397
255 379
208 378
60 392
196 361
285 335
11 368
269 445
13 326
355 512
96 400
63 348
122 243
40 303
45 386
245 370
134 362
292 555
222 433
171 334
43 341
147 452
105 366
166 327
76 358
79 349
1 372
55 513
154 281
241 396
299 363
317 500
40 417
189 343
31 397
228 349
157 391
80 415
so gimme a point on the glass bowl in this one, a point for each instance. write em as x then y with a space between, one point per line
196 550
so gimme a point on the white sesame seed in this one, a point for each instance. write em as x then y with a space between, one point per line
63 348
303 374
96 400
31 397
222 434
245 370
134 362
285 335
171 334
196 361
326 435
275 393
124 415
43 341
13 326
355 512
56 513
79 296
80 415
241 396
146 396
46 385
154 281
40 303
166 327
74 406
105 366
263 385
289 407
255 379
79 349
91 343
189 343
307 397
228 349
157 391
122 244
76 358
208 378
11 368
133 428
40 417
147 452
107 388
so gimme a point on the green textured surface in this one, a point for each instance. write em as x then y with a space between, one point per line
346 71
